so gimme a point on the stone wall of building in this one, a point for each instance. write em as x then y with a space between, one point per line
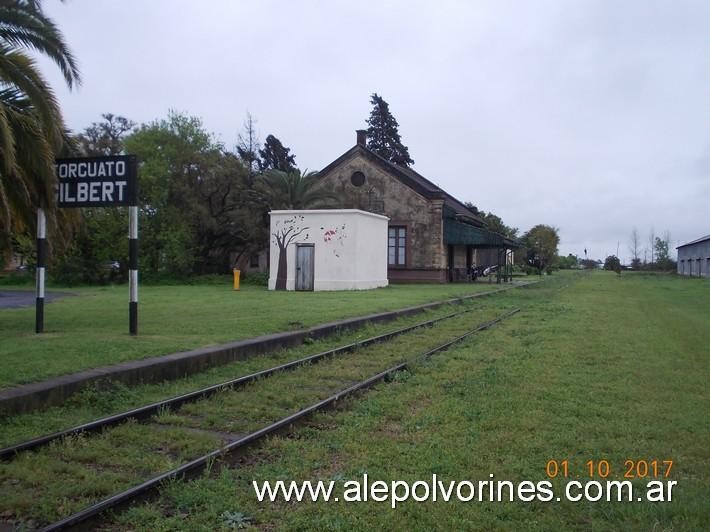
459 256
382 193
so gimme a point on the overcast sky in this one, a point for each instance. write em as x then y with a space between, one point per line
593 117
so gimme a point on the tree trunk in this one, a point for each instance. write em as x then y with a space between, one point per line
282 270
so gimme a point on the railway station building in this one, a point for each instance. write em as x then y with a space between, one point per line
432 236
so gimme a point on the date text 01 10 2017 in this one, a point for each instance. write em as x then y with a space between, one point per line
602 468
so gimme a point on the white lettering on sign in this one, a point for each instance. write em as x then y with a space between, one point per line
121 185
96 181
81 190
87 169
106 191
91 192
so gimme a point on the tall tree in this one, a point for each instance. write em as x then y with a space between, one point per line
635 248
31 127
195 206
276 156
383 133
652 244
662 249
248 145
105 137
190 195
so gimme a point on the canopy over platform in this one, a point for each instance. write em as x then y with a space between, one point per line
462 234
461 230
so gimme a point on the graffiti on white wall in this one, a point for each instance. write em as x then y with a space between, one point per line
335 238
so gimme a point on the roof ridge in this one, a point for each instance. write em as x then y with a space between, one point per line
428 186
696 241
437 188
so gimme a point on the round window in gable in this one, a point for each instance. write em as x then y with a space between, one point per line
357 179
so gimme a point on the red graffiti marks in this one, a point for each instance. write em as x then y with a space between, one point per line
333 236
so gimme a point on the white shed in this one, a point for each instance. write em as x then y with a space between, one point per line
333 249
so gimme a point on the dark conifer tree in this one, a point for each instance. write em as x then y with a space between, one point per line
276 156
383 135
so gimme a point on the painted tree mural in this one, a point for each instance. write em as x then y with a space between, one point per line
286 232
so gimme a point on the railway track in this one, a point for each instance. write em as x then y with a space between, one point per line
145 412
222 420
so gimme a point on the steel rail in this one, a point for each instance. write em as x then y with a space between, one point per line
145 412
200 464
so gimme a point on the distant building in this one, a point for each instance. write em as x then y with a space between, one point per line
694 258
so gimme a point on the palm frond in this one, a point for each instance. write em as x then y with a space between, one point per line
20 72
293 190
24 25
32 131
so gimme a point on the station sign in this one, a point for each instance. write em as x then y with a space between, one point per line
96 181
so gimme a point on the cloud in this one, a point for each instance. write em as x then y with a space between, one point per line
590 116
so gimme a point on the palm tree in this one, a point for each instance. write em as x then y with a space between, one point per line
32 131
293 190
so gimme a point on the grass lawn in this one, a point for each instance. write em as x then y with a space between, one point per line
91 330
597 368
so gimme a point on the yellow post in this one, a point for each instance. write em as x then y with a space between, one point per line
236 278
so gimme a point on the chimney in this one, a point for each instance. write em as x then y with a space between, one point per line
361 137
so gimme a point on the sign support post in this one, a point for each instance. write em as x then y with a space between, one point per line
133 269
41 260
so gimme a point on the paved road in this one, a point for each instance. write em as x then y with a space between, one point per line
26 298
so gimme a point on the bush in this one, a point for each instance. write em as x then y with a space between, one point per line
74 269
612 263
69 272
17 278
255 279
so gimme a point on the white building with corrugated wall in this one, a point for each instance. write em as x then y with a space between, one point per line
694 258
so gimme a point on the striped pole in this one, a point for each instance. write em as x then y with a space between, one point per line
41 263
133 269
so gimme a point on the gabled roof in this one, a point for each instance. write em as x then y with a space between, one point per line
702 239
413 180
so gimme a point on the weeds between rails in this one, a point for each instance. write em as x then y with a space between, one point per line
77 470
147 411
205 462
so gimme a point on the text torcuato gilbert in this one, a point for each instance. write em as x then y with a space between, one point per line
92 182
86 169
